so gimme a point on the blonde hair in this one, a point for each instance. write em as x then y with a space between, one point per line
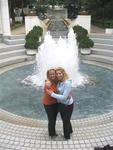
62 70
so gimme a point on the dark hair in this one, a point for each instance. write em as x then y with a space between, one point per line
48 72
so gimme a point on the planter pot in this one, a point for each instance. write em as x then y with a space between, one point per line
109 30
31 52
85 51
1 38
83 13
40 39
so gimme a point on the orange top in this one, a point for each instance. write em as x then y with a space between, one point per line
47 99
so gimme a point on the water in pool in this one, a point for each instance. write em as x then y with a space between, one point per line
90 100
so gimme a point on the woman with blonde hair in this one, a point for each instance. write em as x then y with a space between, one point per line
64 99
50 103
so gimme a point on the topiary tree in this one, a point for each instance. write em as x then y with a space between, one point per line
80 32
32 38
86 43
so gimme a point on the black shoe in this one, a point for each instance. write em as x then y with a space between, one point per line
67 138
98 148
71 132
56 135
52 136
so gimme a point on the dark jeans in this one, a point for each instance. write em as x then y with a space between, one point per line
66 112
52 111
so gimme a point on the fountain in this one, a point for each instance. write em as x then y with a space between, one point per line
52 54
92 99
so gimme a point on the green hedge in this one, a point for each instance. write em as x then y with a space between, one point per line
86 42
32 38
82 37
80 32
103 23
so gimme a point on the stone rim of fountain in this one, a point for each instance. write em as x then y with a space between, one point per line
25 121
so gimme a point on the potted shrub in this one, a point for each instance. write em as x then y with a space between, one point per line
33 39
85 44
80 32
109 27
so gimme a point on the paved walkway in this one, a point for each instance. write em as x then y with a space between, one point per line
19 133
17 31
95 29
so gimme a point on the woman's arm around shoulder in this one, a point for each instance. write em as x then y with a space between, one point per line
66 93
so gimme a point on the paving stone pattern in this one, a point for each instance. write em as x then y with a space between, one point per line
19 133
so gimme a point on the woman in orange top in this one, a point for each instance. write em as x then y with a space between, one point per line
50 104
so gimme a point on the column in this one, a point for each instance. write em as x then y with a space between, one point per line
5 17
0 20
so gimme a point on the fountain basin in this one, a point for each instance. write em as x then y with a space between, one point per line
90 100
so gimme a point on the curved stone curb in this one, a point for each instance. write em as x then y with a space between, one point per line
87 122
22 133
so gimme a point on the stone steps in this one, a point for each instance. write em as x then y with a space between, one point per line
100 64
13 37
103 41
57 28
13 53
14 41
101 36
98 58
16 59
103 46
6 48
102 52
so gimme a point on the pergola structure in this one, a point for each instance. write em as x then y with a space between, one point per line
4 18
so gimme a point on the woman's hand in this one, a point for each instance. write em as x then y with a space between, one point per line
47 84
49 92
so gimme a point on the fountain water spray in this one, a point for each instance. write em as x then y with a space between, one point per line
51 54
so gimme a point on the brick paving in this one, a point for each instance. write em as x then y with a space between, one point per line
95 29
20 133
19 30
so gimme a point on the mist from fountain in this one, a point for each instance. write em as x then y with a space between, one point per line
52 54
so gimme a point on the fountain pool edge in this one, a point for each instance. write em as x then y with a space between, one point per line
19 120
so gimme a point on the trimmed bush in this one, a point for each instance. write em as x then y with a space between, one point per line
82 37
32 38
80 32
86 43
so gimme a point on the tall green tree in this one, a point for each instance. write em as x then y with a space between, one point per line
56 2
101 9
18 4
11 10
